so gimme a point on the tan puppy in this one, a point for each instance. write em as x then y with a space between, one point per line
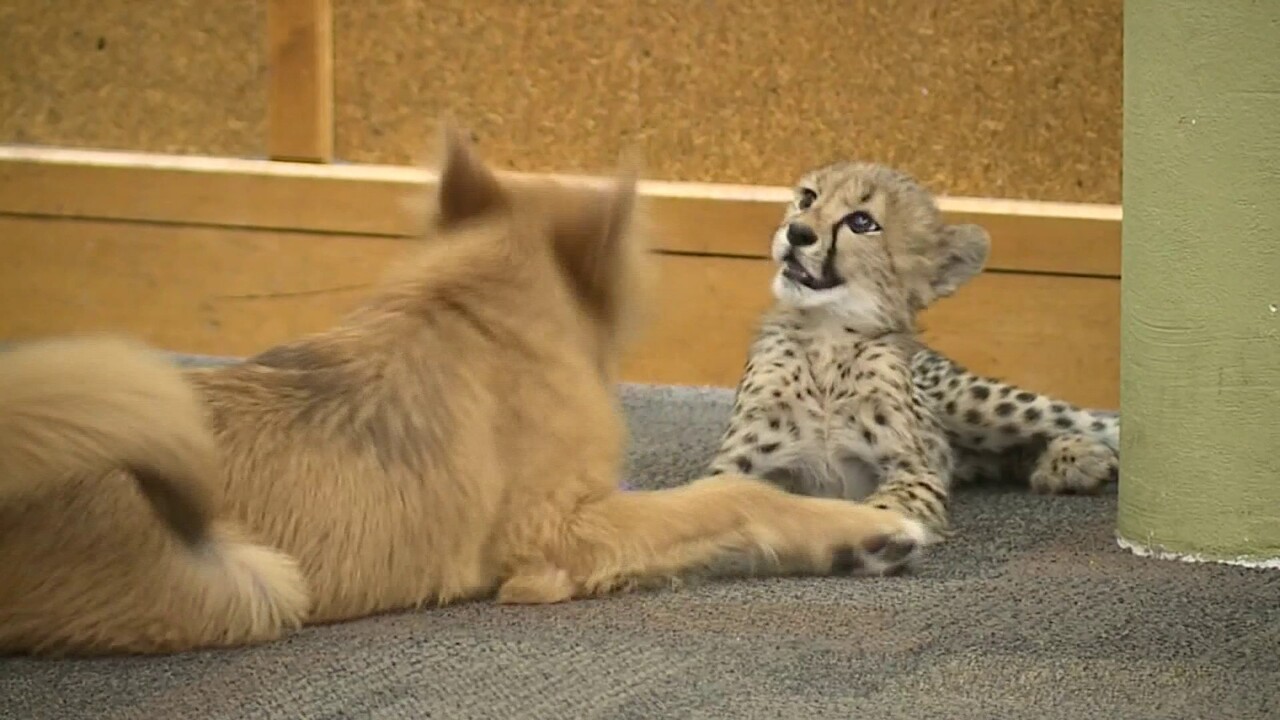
457 436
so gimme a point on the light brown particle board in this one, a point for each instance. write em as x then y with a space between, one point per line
705 218
236 291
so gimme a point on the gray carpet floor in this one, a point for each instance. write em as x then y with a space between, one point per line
1031 612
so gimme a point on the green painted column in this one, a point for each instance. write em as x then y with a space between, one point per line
1200 299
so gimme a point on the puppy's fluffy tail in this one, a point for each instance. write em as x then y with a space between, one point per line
88 405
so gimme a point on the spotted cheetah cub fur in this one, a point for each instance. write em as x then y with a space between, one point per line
840 398
1000 431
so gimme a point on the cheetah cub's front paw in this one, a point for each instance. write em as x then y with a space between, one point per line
894 547
1075 464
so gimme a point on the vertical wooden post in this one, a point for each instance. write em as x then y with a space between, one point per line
300 84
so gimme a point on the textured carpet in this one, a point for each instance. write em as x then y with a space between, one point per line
1031 612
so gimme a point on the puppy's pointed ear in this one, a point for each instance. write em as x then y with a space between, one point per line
620 206
591 235
594 239
468 188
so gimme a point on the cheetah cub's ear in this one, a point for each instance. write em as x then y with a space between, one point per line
960 254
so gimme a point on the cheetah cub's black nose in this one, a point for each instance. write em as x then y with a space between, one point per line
801 235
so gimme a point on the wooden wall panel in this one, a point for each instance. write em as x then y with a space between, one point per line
179 76
1054 334
1032 236
235 291
189 289
992 98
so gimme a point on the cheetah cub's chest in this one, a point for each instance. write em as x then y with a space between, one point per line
823 411
851 383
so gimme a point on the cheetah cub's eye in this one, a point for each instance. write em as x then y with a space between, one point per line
861 223
805 198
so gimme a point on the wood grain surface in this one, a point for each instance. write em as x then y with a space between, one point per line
235 291
698 218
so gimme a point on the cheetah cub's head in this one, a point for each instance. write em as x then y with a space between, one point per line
867 243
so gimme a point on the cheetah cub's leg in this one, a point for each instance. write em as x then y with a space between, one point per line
972 467
762 442
764 437
1074 464
909 450
995 425
1068 464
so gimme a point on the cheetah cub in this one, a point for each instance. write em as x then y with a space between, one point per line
827 405
839 397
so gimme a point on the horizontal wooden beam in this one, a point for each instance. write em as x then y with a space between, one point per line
703 218
234 292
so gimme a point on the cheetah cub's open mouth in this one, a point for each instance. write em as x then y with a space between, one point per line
797 273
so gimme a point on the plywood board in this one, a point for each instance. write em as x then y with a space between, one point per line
1053 334
1032 236
223 291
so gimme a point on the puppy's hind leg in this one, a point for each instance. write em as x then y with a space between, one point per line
637 537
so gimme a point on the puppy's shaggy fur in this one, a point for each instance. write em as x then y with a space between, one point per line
457 436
